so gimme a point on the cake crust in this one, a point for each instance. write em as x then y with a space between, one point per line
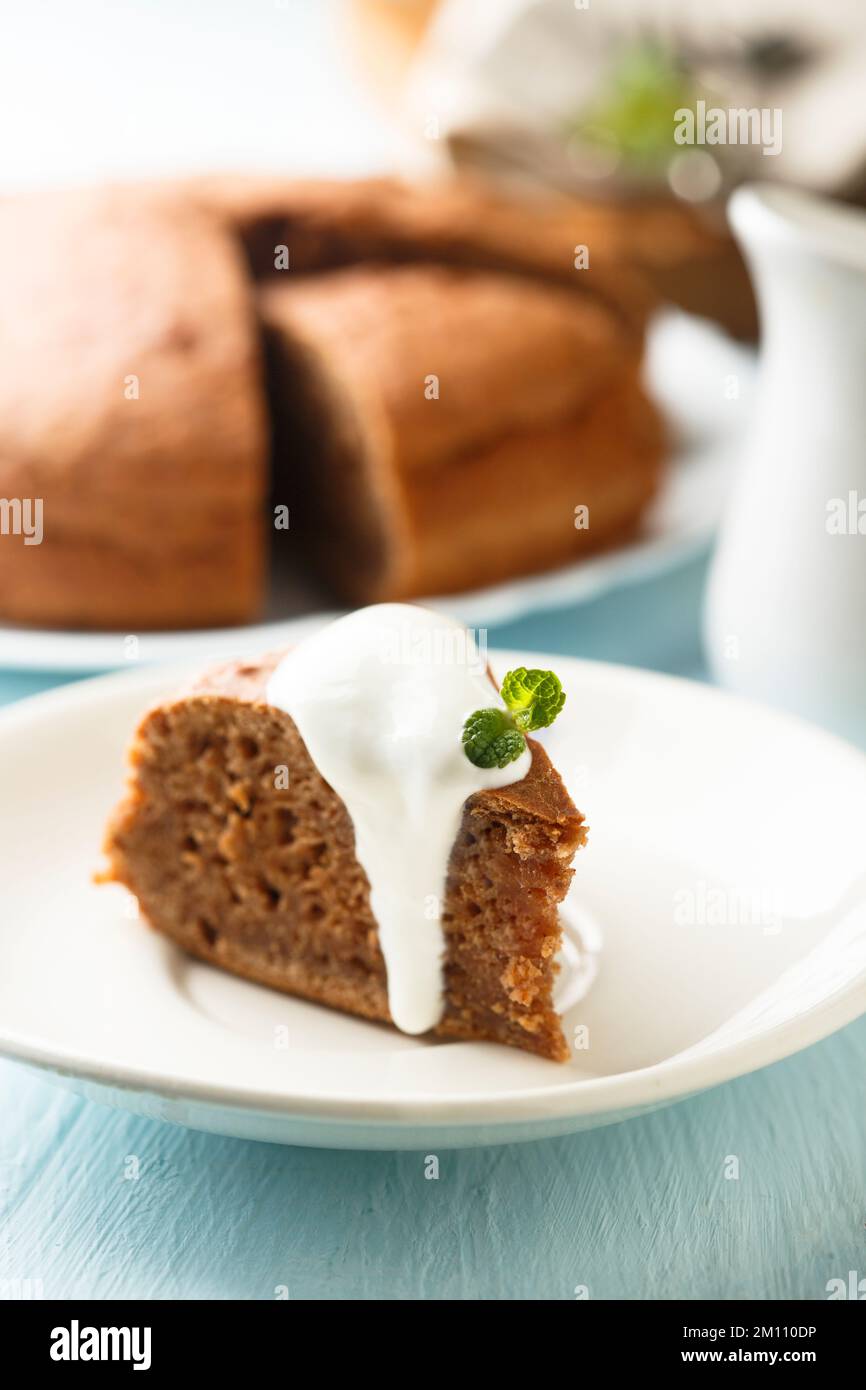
458 222
644 252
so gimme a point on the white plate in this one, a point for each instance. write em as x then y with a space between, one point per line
725 867
703 382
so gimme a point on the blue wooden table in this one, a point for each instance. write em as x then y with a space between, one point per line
638 1210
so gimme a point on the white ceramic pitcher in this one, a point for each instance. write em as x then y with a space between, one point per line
785 616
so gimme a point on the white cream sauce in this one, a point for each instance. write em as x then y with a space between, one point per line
380 698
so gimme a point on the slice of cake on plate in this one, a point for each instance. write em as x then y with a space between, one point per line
362 822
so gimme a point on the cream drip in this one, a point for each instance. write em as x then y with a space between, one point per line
379 698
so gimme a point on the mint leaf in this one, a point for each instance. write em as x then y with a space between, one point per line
490 739
534 698
494 737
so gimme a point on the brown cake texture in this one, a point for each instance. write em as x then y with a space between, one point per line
257 873
131 405
644 251
446 387
440 427
150 346
327 224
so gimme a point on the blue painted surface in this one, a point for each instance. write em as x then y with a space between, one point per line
639 1210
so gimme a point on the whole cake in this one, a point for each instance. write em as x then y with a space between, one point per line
364 823
419 351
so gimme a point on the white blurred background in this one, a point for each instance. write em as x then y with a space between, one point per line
105 88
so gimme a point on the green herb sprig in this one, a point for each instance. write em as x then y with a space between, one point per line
495 737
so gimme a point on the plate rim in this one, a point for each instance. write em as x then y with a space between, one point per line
664 1081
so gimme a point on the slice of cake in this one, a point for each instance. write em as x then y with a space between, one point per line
334 824
411 404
